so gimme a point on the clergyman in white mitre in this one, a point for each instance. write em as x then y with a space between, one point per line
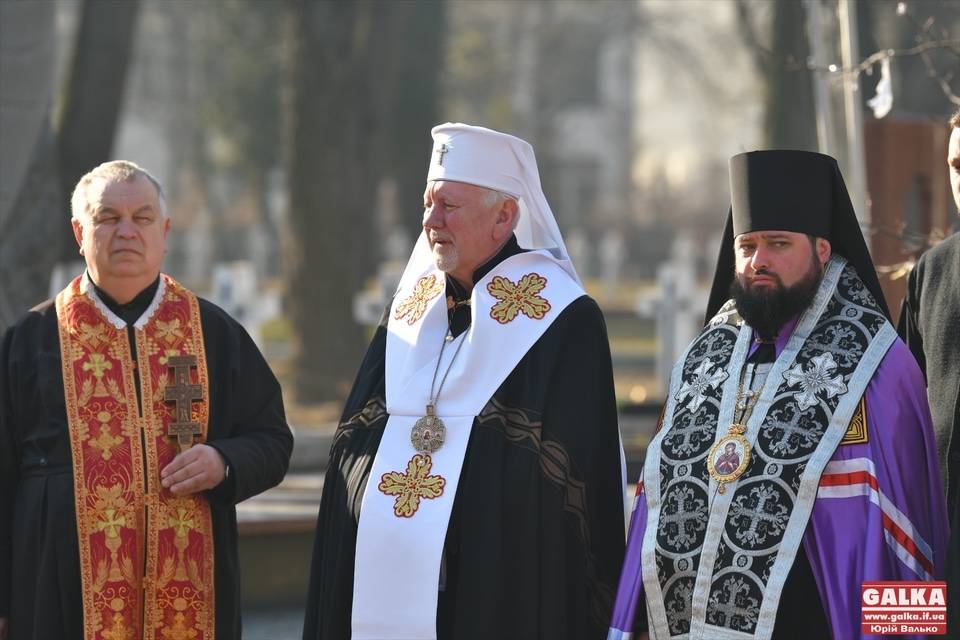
475 487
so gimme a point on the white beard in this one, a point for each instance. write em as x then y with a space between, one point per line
448 259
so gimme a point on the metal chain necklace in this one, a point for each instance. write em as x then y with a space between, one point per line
429 433
730 455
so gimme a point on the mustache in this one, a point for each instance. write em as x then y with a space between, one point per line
763 272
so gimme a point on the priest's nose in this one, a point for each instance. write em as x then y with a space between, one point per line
432 217
759 261
126 228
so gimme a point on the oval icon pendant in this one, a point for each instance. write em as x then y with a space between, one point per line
428 433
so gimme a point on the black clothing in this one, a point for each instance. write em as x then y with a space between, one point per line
536 536
930 325
458 297
131 311
801 615
39 560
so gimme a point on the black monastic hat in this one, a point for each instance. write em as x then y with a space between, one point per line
798 191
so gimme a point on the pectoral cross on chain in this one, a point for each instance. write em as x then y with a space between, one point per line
442 149
183 394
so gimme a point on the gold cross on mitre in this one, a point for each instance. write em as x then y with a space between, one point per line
183 394
442 149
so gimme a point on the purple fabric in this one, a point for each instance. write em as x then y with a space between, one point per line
845 540
783 337
630 590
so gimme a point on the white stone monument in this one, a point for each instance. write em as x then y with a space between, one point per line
677 306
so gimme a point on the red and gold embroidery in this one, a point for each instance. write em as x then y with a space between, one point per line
426 289
411 486
516 298
124 517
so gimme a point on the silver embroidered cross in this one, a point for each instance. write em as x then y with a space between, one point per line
685 513
758 515
814 380
702 380
740 611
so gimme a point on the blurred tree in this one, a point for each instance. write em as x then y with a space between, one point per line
789 120
412 106
79 138
93 95
240 114
925 85
355 70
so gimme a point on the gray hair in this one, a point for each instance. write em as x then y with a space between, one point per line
493 198
113 171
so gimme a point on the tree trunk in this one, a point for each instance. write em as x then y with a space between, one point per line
93 94
347 80
330 198
789 114
789 117
35 234
415 106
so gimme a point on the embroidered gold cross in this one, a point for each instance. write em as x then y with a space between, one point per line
105 441
516 298
98 364
182 522
411 486
183 394
426 289
111 523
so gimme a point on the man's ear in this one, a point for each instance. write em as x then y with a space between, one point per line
506 219
824 250
77 233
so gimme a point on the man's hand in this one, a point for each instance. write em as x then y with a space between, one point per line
199 468
3 628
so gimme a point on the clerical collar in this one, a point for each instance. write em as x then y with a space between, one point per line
131 311
458 297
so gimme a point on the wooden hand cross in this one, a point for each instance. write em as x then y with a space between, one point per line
183 394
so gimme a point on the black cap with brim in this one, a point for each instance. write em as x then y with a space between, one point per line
797 191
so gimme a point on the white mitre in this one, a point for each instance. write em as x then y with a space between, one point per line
505 163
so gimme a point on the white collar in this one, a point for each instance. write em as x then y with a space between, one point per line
88 289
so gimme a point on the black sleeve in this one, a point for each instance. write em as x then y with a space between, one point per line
581 412
258 443
9 473
908 327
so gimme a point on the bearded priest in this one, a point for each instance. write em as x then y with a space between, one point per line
798 372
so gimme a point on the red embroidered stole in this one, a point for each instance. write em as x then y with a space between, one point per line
146 557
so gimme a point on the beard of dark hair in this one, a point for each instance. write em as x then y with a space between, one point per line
768 309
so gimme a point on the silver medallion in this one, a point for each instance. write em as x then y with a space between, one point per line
428 433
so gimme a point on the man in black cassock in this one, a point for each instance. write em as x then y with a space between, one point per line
930 325
510 523
91 485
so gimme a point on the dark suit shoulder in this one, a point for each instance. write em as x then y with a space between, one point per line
943 257
209 312
44 308
217 322
42 317
582 312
